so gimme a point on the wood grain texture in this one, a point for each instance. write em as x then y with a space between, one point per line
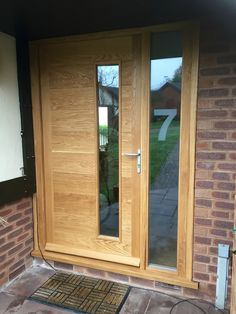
145 125
65 127
125 260
159 275
187 153
67 79
38 143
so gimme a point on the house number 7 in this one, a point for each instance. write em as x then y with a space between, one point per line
170 113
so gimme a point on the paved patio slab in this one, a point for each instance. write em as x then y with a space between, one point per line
13 298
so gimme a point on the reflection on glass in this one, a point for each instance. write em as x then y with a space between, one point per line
166 68
108 120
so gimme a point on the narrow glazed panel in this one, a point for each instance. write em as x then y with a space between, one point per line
108 121
165 108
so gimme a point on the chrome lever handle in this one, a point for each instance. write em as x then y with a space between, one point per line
138 155
131 154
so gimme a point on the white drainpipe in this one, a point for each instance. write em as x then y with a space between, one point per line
222 275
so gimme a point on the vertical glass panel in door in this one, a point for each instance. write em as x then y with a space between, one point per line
108 120
165 108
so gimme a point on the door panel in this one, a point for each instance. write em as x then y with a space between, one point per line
70 139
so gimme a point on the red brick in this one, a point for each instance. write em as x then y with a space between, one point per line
14 217
220 176
16 265
227 166
204 184
210 156
233 114
222 195
5 230
199 267
29 242
11 247
227 81
222 241
203 222
26 252
28 226
225 125
212 113
212 269
28 211
119 277
214 47
95 272
23 237
15 249
8 263
224 205
15 233
224 145
226 59
142 282
202 240
6 212
17 272
23 205
218 232
211 135
226 102
202 258
203 202
205 165
7 246
215 259
220 214
201 276
226 186
206 82
215 71
213 250
203 146
22 221
214 92
2 258
232 156
224 224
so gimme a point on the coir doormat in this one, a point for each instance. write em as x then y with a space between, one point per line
82 294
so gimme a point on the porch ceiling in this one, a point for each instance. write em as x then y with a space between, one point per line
35 19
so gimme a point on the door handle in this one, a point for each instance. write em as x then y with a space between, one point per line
138 155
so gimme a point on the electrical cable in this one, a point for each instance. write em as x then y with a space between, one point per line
206 302
186 300
40 250
163 293
197 306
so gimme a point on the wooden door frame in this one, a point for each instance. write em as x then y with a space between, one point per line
183 276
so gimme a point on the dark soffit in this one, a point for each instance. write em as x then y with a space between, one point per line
36 19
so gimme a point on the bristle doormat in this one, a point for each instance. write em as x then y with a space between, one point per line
82 294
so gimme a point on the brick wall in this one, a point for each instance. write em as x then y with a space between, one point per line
215 155
214 179
215 168
16 239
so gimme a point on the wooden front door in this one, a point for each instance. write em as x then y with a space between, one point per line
69 95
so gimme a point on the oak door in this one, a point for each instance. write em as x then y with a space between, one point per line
70 92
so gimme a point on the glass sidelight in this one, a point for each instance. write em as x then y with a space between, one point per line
165 116
108 125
